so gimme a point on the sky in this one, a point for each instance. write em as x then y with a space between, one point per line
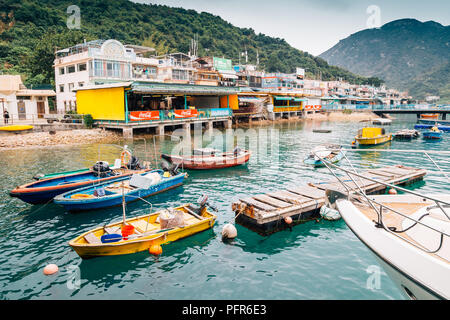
315 26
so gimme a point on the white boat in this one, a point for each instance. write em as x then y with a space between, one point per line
382 121
409 234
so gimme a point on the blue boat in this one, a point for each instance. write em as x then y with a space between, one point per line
110 194
432 135
429 126
42 191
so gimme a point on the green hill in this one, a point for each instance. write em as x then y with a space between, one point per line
30 30
408 54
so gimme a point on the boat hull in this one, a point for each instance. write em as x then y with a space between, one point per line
319 163
70 204
431 135
33 193
425 280
207 163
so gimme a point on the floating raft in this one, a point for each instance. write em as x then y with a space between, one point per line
265 213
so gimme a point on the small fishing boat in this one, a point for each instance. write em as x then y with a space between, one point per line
109 194
330 152
42 191
371 136
322 130
429 126
207 158
140 233
16 128
382 121
433 134
42 176
429 116
406 134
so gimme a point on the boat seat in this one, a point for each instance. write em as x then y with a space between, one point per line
92 238
140 226
112 230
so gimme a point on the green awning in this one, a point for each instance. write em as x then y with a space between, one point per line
282 98
299 99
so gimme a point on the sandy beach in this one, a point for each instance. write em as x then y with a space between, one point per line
60 138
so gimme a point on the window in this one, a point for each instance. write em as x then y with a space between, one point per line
23 98
70 86
61 88
82 67
61 70
70 69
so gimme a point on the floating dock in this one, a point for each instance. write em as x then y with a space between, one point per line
265 213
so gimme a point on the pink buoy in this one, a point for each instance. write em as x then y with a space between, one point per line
392 191
50 269
288 220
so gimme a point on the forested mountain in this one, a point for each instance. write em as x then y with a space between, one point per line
408 54
30 30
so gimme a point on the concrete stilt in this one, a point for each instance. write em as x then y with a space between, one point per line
160 130
229 124
127 133
187 128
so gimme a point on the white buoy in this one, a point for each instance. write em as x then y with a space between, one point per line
50 269
229 231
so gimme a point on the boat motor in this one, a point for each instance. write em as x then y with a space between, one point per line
202 203
134 164
101 168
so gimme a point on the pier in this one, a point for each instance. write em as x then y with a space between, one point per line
265 213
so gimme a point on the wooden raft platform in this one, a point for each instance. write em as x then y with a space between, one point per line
265 213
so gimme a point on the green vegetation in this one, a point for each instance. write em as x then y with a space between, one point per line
31 30
408 54
88 120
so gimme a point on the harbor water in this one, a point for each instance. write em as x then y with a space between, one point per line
315 260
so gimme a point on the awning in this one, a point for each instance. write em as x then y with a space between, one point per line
250 100
229 76
283 98
299 99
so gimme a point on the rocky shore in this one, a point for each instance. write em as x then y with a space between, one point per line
58 138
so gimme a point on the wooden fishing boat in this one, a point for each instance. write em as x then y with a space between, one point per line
382 121
372 136
59 174
42 191
16 128
432 135
431 116
409 236
406 134
429 126
330 152
110 194
148 230
203 159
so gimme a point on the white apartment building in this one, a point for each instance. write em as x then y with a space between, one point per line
99 62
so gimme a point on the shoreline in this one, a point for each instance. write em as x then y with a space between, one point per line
82 136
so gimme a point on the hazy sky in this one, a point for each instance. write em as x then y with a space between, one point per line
314 25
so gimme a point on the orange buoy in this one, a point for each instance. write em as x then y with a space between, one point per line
155 250
288 220
392 191
50 269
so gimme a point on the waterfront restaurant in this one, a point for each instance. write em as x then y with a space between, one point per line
143 104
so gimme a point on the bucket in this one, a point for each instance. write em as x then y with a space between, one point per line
126 231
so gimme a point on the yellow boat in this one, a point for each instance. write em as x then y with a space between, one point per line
147 232
16 128
372 136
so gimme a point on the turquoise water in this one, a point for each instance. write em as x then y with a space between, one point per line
316 260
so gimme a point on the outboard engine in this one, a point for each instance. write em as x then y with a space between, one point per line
134 164
237 151
101 168
170 167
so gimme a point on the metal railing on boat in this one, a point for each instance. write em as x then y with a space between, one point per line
350 173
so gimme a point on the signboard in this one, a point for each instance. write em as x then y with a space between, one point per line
300 73
185 113
313 107
221 64
222 112
144 115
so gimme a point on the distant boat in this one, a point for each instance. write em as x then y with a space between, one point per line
382 121
322 130
406 134
433 134
372 136
331 153
14 128
207 158
429 126
429 116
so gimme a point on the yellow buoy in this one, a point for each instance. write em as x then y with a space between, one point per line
155 250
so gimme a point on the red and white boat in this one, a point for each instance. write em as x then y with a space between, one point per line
206 158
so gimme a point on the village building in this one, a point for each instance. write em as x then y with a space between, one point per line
22 103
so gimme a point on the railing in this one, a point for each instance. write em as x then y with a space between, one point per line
177 114
40 118
381 208
405 107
